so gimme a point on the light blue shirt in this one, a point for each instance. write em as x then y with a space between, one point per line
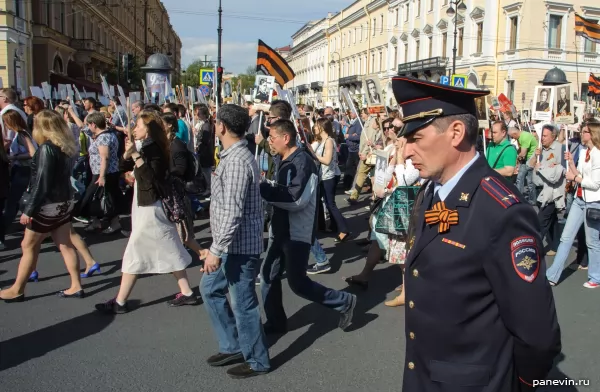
444 190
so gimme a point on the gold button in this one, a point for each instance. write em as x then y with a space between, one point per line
415 273
411 304
411 365
412 335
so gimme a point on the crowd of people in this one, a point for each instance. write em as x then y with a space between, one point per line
82 162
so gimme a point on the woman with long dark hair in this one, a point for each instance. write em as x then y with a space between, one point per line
20 155
154 245
48 205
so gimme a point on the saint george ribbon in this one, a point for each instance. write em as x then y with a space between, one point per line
439 214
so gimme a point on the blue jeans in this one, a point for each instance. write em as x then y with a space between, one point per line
238 328
292 257
526 173
592 236
317 251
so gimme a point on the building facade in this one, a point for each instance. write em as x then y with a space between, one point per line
15 45
76 41
505 46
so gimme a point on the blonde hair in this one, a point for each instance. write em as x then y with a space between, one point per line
593 126
49 125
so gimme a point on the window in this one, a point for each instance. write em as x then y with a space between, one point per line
374 25
445 2
372 62
380 61
360 32
49 14
407 13
354 36
430 47
63 26
461 32
480 37
510 90
73 27
344 40
554 32
406 52
381 27
418 8
444 44
395 60
417 50
590 46
431 5
353 66
18 8
514 22
397 18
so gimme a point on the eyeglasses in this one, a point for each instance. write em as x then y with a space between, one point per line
270 138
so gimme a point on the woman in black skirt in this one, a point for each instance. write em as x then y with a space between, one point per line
48 203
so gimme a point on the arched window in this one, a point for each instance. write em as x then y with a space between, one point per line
57 65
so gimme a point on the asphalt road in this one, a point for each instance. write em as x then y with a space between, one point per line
51 344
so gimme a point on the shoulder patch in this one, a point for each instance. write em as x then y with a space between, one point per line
499 192
525 257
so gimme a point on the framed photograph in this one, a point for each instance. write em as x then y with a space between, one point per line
525 116
579 109
381 165
263 89
563 107
373 92
482 112
543 103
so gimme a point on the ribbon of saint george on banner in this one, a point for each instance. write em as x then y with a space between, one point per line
593 86
270 63
587 28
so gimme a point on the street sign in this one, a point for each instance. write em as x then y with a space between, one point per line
207 77
444 80
459 81
205 90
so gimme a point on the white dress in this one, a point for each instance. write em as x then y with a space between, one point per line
154 246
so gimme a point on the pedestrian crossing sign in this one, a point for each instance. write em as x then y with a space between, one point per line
207 76
459 81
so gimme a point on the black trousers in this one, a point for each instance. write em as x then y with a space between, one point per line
350 172
548 220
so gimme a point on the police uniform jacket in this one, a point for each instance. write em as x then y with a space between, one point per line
480 314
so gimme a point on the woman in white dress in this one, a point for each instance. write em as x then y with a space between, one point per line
154 246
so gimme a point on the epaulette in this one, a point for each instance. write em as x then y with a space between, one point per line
499 192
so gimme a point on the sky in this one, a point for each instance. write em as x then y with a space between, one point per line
244 23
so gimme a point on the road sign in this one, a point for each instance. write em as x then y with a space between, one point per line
207 77
205 90
444 80
459 81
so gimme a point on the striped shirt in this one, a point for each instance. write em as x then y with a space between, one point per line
236 214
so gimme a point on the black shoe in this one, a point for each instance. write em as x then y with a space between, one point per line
112 307
224 359
244 371
270 329
18 298
181 300
352 281
363 242
78 294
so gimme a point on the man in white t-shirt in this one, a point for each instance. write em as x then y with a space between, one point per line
8 97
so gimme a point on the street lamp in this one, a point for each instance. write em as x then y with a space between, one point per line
461 8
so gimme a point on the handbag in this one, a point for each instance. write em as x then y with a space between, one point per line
174 200
393 217
102 203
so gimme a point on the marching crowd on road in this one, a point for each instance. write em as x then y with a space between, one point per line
480 312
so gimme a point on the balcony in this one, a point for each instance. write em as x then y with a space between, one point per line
303 88
353 80
432 64
83 45
316 86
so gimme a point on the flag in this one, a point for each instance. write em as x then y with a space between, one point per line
271 63
587 29
593 85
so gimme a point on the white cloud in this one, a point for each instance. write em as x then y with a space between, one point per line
236 56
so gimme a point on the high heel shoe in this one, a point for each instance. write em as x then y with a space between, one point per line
95 268
34 277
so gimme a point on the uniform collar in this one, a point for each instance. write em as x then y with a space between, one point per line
444 190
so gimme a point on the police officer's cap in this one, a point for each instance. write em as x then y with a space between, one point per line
423 101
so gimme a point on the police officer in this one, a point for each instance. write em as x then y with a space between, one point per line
480 313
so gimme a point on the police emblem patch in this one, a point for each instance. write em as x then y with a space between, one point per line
525 257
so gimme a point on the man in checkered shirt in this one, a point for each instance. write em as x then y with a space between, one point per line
236 221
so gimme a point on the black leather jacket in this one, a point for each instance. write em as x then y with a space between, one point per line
50 178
